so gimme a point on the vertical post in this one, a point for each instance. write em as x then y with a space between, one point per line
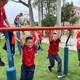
18 43
66 54
59 15
11 71
66 60
58 12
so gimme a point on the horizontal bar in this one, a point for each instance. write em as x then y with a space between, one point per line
38 28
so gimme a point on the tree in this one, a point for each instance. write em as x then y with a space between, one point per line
44 6
73 20
67 12
49 20
30 9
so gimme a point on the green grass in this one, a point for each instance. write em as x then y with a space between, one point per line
42 62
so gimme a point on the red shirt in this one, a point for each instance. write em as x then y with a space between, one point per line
2 17
34 36
54 46
40 35
78 44
13 39
28 55
16 18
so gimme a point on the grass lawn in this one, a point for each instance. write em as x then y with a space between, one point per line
42 62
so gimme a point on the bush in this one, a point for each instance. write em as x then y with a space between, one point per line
49 20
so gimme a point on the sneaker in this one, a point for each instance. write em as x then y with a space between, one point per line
49 69
2 63
60 76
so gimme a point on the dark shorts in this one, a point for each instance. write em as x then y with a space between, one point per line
27 73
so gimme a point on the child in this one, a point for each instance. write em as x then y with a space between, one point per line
78 46
17 24
3 18
40 40
17 20
53 54
28 56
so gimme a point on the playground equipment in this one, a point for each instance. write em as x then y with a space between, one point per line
66 52
11 71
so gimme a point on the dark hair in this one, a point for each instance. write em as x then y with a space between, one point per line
29 38
21 13
55 33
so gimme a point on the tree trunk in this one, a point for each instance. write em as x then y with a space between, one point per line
63 24
31 14
48 5
40 11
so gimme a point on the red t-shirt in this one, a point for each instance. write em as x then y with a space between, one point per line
13 39
54 46
40 35
2 17
28 55
16 18
78 44
34 36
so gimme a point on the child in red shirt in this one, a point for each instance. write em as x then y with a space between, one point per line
40 40
53 54
28 56
78 46
3 18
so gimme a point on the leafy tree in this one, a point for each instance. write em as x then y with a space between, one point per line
49 20
67 12
73 20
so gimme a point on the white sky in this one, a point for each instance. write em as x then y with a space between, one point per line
12 9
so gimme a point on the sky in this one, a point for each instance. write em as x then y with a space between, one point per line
12 9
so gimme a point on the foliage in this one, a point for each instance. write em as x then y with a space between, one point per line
25 22
49 20
35 23
67 12
73 20
48 5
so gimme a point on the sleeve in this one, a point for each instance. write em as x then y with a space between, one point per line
4 14
59 40
78 35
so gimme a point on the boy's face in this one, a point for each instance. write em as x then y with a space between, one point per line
55 37
30 43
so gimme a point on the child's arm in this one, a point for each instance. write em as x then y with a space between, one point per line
20 40
51 36
37 38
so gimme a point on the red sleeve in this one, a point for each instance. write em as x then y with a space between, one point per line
59 40
4 14
78 35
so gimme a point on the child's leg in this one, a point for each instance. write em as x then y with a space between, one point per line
58 59
13 49
78 54
51 60
30 74
23 72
